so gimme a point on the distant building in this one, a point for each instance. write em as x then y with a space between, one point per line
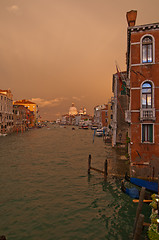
82 111
73 110
83 119
6 111
100 119
33 107
23 118
104 116
65 119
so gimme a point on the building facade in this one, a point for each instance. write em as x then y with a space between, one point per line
33 107
120 103
6 111
99 119
143 113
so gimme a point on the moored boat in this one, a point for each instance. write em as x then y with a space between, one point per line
134 192
99 132
94 127
149 185
3 134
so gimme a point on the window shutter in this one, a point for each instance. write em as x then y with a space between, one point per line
151 132
143 132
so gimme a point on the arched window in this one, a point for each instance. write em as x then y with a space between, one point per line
147 95
147 49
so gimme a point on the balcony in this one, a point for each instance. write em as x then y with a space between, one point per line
147 114
112 100
128 116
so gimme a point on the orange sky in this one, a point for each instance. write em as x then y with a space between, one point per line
56 52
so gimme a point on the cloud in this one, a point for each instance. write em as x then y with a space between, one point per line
78 98
47 103
13 8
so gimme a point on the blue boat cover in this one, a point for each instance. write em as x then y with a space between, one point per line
132 192
152 186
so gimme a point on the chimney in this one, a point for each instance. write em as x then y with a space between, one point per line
131 17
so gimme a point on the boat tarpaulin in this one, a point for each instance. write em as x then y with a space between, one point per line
152 186
132 192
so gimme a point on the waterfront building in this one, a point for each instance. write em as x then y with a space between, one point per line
143 113
23 118
82 111
98 121
65 119
19 118
104 116
6 111
120 102
83 119
33 107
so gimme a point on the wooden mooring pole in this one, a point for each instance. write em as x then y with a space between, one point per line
106 168
105 172
139 208
139 227
89 163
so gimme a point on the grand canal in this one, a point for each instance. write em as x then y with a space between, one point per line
46 192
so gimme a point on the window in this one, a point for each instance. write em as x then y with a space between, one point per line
147 133
147 95
147 49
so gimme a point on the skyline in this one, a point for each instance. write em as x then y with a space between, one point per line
65 51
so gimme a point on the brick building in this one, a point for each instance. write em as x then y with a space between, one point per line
6 111
104 116
143 114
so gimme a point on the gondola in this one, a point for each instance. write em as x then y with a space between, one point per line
134 192
150 186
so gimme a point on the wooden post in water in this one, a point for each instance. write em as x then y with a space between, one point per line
89 163
142 194
139 227
105 168
2 237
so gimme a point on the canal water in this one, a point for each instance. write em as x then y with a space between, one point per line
46 192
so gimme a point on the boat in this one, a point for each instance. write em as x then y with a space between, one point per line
150 186
94 127
99 132
85 127
134 192
3 134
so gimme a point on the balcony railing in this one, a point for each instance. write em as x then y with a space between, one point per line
128 116
147 114
112 100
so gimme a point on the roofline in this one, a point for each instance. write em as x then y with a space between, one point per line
144 27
